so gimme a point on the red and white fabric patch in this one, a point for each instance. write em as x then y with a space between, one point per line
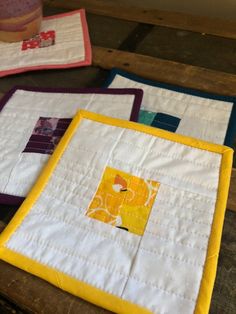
42 40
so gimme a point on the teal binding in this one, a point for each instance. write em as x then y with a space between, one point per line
146 116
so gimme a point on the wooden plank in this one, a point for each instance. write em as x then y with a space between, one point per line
166 71
38 296
183 21
232 192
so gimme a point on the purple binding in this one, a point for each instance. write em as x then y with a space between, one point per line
11 199
138 93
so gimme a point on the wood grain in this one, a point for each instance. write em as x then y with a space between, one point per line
166 71
35 295
183 21
231 204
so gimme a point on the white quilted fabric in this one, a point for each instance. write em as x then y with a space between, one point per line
18 118
160 270
202 118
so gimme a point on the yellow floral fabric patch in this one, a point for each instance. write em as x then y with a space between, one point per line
123 200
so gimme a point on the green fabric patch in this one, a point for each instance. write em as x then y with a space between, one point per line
146 117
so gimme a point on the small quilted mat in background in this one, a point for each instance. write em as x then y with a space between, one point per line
63 42
126 216
33 120
182 110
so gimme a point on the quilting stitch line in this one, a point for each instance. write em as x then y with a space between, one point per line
161 211
194 208
129 214
151 284
150 220
153 221
192 101
19 183
173 156
151 174
56 268
83 227
182 218
71 254
160 139
181 230
158 172
119 243
170 240
89 187
207 199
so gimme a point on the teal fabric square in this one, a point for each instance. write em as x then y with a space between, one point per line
146 117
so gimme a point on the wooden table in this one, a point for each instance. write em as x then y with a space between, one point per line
170 47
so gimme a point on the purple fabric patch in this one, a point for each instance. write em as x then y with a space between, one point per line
11 199
46 135
137 93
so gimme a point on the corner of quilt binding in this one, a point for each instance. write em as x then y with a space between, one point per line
210 265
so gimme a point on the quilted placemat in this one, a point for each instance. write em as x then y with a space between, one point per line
126 216
63 42
182 110
33 120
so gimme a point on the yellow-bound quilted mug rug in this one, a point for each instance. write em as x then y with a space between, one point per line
126 216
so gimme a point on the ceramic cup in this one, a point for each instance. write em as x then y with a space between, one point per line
19 19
